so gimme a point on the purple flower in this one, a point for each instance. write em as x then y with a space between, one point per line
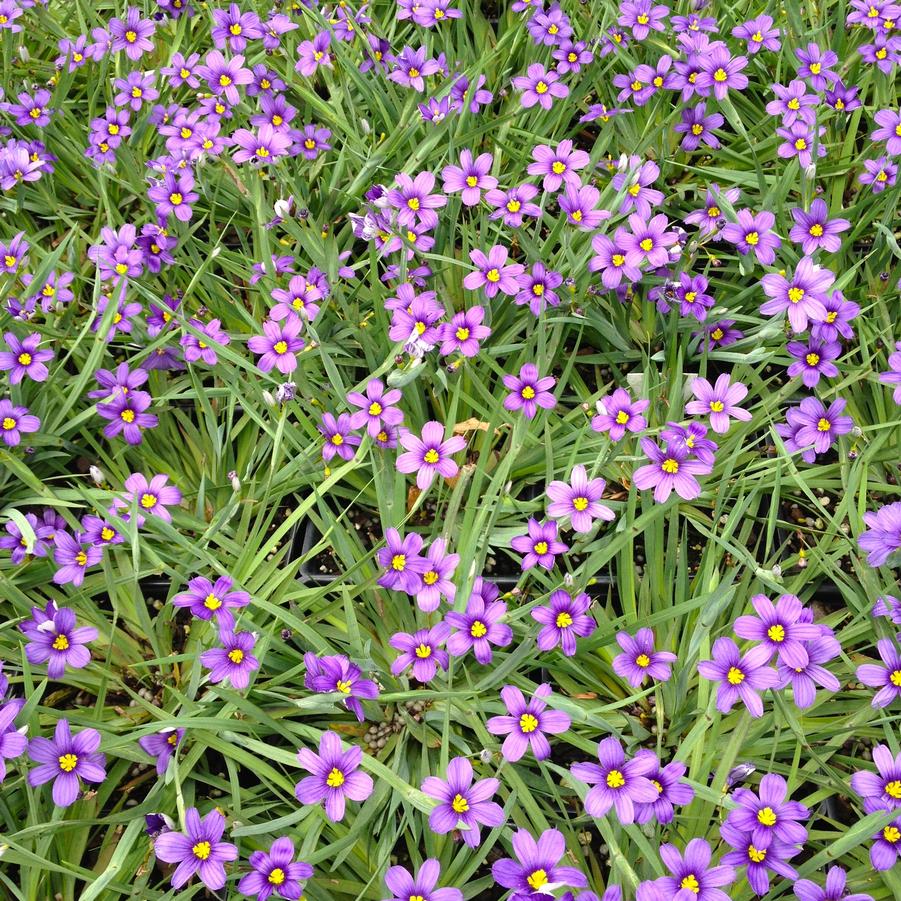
768 817
815 231
526 723
513 204
338 674
804 679
403 885
278 345
882 792
816 66
540 86
759 33
886 678
578 500
471 177
412 68
413 201
56 641
15 421
24 358
887 605
72 558
313 54
813 360
759 861
335 776
225 76
536 865
462 802
669 469
133 35
692 873
12 741
493 273
843 99
616 782
889 130
338 439
151 498
162 745
887 848
376 407
234 28
558 167
819 426
719 401
834 889
710 218
430 454
126 416
528 391
880 174
403 565
793 103
893 376
16 542
262 147
199 849
540 546
174 194
464 95
436 580
537 288
422 650
564 620
207 600
753 234
697 126
579 204
464 332
800 140
802 295
642 16
615 259
65 759
740 677
639 659
233 660
135 90
478 629
720 72
618 414
671 790
276 872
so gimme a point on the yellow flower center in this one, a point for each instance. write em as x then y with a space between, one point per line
720 75
893 789
335 778
816 68
823 425
538 288
343 687
202 850
337 440
757 37
8 423
646 244
107 534
558 167
398 562
766 816
413 203
528 723
24 359
60 643
460 804
697 129
462 334
514 206
176 199
236 655
81 559
622 418
615 779
471 181
148 500
131 36
541 88
617 259
691 883
643 660
800 144
431 577
670 466
812 359
895 678
127 416
816 230
757 855
211 602
478 629
717 406
431 456
68 762
580 503
277 876
564 620
280 347
735 676
120 268
713 212
423 652
794 103
776 632
635 188
537 879
796 295
541 548
528 392
493 275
